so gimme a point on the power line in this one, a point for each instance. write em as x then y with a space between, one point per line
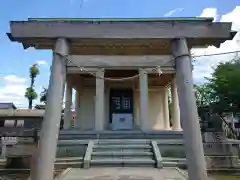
193 56
216 54
155 69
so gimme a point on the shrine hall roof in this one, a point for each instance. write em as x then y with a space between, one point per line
124 36
152 19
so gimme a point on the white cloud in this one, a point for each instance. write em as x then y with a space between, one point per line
204 65
173 11
13 90
30 49
210 13
233 16
12 79
42 62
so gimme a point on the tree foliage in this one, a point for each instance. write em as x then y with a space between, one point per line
203 94
30 93
43 99
221 93
225 84
43 96
33 72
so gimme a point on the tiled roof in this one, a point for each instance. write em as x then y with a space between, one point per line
7 106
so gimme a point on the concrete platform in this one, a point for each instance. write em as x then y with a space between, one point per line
123 174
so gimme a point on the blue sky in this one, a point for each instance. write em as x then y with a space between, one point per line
16 61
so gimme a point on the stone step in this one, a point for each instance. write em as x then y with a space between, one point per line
122 157
121 150
122 153
123 162
174 164
123 146
218 154
69 159
3 162
65 165
80 142
111 135
169 159
123 141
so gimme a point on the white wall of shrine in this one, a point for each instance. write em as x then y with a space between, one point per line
155 111
86 118
157 115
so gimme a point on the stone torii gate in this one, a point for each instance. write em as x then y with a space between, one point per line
148 36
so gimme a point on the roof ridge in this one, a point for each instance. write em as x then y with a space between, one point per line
149 19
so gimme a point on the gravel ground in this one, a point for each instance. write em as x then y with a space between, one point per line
226 177
12 176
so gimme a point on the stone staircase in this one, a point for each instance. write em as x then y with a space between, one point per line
64 163
116 135
117 153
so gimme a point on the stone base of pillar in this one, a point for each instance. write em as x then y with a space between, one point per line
177 129
167 129
145 129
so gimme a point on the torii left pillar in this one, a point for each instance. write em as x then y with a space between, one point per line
52 117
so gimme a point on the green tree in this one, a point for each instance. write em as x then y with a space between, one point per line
30 93
204 94
225 85
43 96
43 99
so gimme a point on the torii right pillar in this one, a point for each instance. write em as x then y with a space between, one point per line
188 111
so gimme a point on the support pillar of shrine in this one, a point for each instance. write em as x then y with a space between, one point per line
77 107
166 110
51 122
68 105
99 101
175 107
189 116
143 82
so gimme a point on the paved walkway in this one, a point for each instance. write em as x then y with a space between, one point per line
123 174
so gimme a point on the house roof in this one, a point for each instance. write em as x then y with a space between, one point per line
7 106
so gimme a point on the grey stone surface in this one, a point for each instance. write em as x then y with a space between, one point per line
50 126
172 150
189 114
157 154
124 174
123 154
71 151
157 29
87 157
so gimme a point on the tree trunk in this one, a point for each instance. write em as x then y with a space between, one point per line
30 103
32 82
